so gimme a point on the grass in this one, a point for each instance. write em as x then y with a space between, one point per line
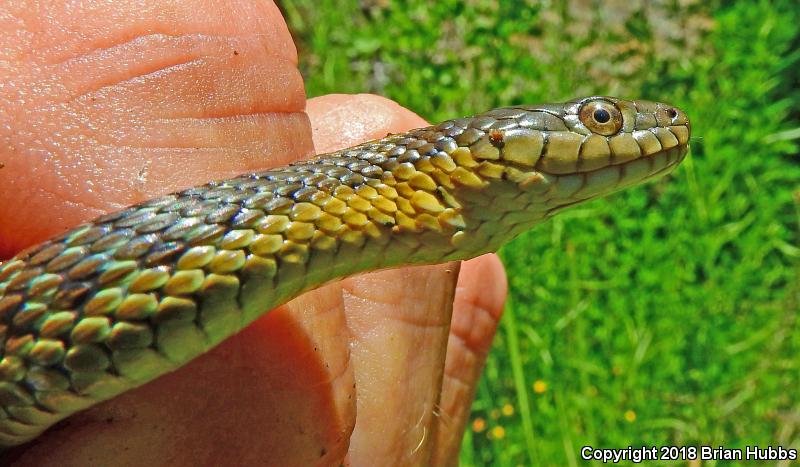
665 314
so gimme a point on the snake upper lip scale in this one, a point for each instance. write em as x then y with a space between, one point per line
135 294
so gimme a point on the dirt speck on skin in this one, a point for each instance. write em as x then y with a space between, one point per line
235 52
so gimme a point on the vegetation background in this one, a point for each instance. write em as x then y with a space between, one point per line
663 315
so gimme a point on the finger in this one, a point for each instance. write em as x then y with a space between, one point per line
236 402
111 104
399 319
479 300
344 120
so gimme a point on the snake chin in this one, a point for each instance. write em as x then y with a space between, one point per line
660 164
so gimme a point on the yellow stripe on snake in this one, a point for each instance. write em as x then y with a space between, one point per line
136 294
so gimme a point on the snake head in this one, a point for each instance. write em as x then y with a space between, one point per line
566 153
534 161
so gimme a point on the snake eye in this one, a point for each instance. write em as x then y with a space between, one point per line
601 117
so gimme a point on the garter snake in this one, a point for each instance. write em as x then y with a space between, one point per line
137 293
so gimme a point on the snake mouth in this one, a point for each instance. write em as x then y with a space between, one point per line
660 163
566 190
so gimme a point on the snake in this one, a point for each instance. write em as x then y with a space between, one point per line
135 294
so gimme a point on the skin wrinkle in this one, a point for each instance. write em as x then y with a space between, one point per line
330 302
134 57
166 38
358 292
81 203
129 23
222 98
468 357
137 78
387 291
340 372
203 126
70 195
480 316
414 362
223 119
111 62
107 50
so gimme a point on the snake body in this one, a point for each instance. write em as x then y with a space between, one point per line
135 294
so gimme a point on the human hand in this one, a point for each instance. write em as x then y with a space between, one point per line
105 105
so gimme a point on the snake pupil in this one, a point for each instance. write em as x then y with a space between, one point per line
601 116
672 113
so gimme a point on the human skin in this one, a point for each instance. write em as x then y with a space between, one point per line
103 105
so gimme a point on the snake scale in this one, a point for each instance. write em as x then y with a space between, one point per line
137 293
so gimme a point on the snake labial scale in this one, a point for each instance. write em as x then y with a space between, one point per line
137 293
